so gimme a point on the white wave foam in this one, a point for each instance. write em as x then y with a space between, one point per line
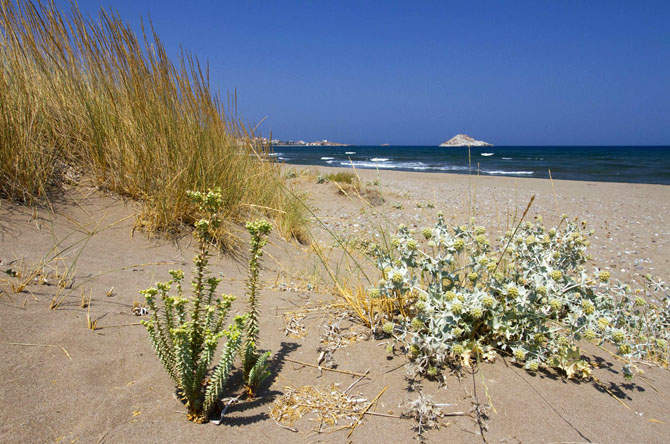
350 152
487 154
509 173
327 158
506 158
416 166
275 154
451 168
369 164
379 159
363 164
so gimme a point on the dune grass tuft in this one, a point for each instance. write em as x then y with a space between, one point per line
84 96
343 177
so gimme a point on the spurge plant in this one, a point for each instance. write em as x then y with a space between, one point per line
185 332
255 364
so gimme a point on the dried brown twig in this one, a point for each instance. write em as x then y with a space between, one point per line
365 410
326 368
26 344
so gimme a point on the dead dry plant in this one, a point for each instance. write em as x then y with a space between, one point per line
427 413
373 310
335 335
294 326
329 407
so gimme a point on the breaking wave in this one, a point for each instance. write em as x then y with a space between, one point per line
508 173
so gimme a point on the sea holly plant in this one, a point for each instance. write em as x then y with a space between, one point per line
255 364
531 297
185 332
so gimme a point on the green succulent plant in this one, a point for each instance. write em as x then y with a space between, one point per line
255 364
185 332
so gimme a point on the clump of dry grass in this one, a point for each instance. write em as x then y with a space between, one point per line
349 184
293 218
372 309
343 177
79 95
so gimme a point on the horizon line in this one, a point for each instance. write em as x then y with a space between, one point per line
474 146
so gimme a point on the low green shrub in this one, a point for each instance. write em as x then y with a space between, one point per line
532 298
185 332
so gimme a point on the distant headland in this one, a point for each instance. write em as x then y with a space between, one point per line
323 142
464 140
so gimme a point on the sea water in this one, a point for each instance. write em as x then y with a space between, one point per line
635 164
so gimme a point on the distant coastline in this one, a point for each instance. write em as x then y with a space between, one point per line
323 142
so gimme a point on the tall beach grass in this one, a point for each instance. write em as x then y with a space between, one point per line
85 96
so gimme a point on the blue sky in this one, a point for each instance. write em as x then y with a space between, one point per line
363 72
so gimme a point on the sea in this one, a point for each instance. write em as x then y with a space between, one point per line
632 164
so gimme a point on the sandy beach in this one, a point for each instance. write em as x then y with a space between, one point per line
65 383
629 220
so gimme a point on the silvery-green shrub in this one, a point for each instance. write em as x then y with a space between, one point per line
531 297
